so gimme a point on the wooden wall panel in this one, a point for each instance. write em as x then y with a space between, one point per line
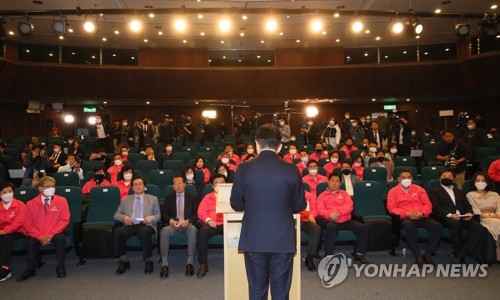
173 57
309 57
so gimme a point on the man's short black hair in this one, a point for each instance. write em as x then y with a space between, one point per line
268 136
333 174
6 184
311 161
218 175
99 168
139 178
447 170
404 170
447 131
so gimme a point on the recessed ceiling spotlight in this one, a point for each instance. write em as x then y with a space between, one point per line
437 11
494 6
104 39
377 38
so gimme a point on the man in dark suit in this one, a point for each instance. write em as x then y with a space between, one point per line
179 215
139 214
150 154
375 135
403 138
57 158
448 205
269 191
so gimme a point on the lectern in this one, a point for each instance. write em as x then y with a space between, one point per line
235 278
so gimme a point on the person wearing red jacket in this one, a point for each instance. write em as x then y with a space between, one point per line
318 153
494 171
313 178
304 159
410 203
124 182
199 163
115 168
292 154
333 163
309 225
335 207
98 180
46 218
213 224
11 226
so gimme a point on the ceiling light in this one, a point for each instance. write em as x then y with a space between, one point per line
180 25
114 55
160 32
387 56
147 102
61 37
357 26
298 41
224 25
151 15
91 120
132 57
239 60
417 37
419 28
200 16
211 114
26 28
146 40
373 99
93 56
50 54
281 33
70 30
242 34
336 15
311 111
202 33
135 25
59 27
494 6
89 26
462 29
11 32
437 11
104 39
366 53
224 57
69 118
258 56
244 17
367 31
337 40
447 49
397 27
222 42
262 42
316 26
117 32
323 33
271 25
408 99
184 41
426 53
404 52
268 60
73 53
377 38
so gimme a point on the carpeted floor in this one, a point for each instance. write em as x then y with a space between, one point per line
97 280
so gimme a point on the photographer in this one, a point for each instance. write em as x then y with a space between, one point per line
167 130
188 130
241 126
284 129
309 131
331 133
207 130
36 164
403 137
72 165
100 132
255 124
454 154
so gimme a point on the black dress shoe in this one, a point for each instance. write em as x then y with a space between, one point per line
310 264
203 270
60 271
39 262
360 258
26 274
122 267
189 270
164 272
148 267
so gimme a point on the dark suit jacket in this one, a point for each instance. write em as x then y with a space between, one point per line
371 137
269 190
443 205
407 140
158 158
169 209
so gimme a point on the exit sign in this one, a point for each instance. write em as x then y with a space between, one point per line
389 107
89 109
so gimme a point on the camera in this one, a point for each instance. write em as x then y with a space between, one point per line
276 122
453 161
303 123
78 160
238 119
201 124
184 120
462 119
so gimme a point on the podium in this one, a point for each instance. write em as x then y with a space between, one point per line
235 278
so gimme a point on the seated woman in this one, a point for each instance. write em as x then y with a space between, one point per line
200 164
74 148
392 153
225 159
124 181
223 170
11 226
115 168
357 164
250 152
333 163
188 175
486 204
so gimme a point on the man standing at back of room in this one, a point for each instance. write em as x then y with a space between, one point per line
269 191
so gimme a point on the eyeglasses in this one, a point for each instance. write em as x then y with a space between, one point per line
178 183
138 184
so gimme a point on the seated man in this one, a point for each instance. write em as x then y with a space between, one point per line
309 225
139 214
45 221
72 165
410 203
36 164
313 178
98 180
381 162
292 154
11 226
348 178
228 148
150 154
179 214
213 224
304 158
57 159
335 207
348 147
318 153
448 205
226 160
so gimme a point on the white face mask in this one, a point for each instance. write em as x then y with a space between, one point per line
127 176
394 151
480 185
98 121
406 182
169 148
354 124
56 150
313 172
250 151
190 177
8 197
125 124
357 164
335 160
331 123
309 123
373 149
118 162
282 123
470 127
224 173
150 122
224 160
49 192
304 159
125 153
293 151
70 142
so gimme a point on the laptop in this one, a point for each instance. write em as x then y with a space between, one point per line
16 173
416 153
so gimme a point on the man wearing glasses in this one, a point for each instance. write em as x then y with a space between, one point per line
139 213
46 218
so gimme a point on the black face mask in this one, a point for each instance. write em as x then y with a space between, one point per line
319 151
446 181
99 178
380 159
346 172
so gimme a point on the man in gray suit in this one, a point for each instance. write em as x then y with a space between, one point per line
138 213
349 179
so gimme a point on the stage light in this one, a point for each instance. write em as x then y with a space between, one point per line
59 27
26 28
357 26
462 29
180 25
271 25
397 27
311 111
316 26
224 25
135 25
419 28
211 114
91 120
69 119
89 26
